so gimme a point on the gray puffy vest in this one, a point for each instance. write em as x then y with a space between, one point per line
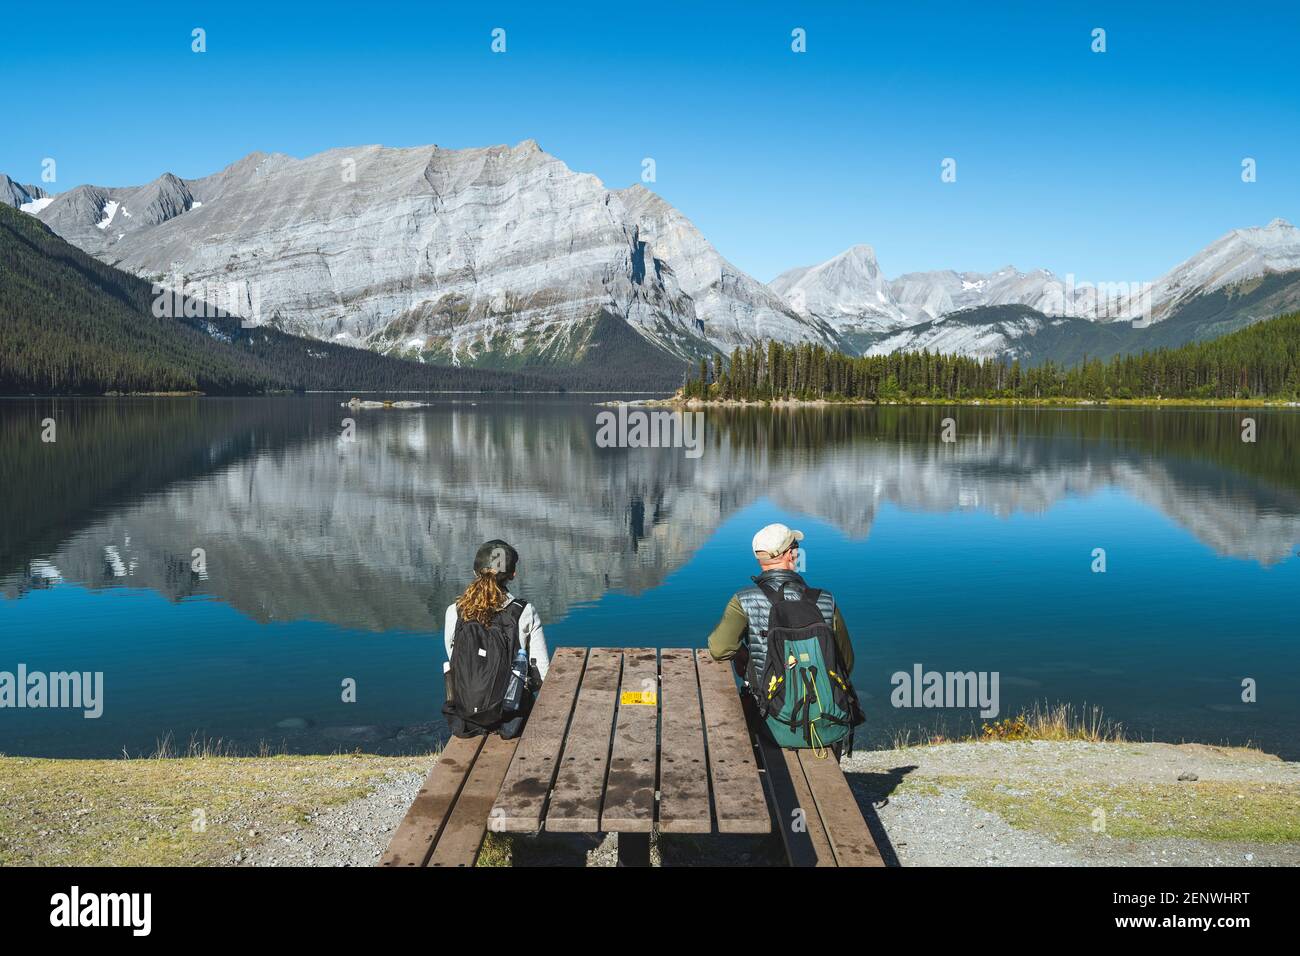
757 608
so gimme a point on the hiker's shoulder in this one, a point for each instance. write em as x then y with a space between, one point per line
825 597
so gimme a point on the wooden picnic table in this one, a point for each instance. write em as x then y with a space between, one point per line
627 741
593 757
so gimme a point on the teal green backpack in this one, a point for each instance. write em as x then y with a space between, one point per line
804 694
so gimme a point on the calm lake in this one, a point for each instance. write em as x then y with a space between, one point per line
325 560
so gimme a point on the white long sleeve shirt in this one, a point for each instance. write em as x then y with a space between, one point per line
530 634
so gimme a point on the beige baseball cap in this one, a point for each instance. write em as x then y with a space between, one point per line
775 540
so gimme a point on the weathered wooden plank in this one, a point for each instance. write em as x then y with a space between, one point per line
629 804
463 834
580 784
683 766
818 839
802 832
793 808
522 801
845 827
419 830
738 799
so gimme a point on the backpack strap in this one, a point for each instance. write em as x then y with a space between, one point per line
777 594
774 595
516 611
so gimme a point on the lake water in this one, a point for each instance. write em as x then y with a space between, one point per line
327 561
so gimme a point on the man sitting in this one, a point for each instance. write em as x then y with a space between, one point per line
792 648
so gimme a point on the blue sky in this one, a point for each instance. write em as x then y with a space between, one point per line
1112 165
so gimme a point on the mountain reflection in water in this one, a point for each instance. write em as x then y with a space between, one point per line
296 527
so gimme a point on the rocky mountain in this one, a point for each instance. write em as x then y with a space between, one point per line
70 324
1239 256
1247 275
851 294
498 256
923 296
986 331
504 257
1021 332
848 292
22 196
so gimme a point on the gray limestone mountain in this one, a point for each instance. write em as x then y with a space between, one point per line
23 196
498 256
504 257
852 294
1038 315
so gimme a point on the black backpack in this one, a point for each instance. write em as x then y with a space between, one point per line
481 657
804 693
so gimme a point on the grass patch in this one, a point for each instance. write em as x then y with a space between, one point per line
1059 722
1208 810
497 850
914 786
170 811
1041 721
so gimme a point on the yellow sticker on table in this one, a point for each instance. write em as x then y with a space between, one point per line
639 697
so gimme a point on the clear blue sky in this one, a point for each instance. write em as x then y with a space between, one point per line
1112 166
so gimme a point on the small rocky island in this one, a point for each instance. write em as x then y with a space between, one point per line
386 403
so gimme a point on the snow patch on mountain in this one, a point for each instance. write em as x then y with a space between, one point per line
110 211
20 195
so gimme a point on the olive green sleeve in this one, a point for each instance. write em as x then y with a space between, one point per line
842 642
726 638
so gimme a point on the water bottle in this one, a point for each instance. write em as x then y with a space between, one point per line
518 683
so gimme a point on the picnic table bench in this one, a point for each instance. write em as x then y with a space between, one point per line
624 741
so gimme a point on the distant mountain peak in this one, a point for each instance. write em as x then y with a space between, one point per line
859 260
1278 230
846 290
860 251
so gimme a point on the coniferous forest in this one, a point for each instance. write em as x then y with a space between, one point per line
1261 361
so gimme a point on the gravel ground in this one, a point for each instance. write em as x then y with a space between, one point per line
920 796
354 834
929 820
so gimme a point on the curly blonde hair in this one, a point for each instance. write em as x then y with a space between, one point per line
482 599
